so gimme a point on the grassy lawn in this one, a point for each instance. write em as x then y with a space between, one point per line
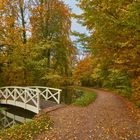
87 97
28 130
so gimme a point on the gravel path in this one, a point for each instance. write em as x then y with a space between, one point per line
110 117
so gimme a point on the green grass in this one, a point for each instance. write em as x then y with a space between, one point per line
87 97
28 130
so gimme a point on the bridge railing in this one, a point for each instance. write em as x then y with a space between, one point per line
48 93
24 97
29 97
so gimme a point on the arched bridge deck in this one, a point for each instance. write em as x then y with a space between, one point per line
33 98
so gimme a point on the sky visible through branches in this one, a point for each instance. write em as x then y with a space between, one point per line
75 9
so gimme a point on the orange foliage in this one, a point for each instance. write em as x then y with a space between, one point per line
83 70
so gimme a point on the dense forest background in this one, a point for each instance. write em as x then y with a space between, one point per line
36 49
35 42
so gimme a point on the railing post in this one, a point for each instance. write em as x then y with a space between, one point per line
6 94
15 95
47 93
25 92
59 93
38 100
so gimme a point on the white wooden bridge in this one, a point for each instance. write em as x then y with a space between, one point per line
33 98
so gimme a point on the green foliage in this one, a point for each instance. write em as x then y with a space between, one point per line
114 43
53 23
87 97
47 54
28 130
112 79
51 78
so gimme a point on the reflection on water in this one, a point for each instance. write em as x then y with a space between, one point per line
69 95
14 115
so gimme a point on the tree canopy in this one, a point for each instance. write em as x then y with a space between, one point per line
35 42
114 43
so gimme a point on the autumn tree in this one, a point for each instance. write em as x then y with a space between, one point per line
51 21
114 41
83 72
35 38
13 37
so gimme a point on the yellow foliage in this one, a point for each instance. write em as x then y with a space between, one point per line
136 89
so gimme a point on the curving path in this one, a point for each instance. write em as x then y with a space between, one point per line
110 117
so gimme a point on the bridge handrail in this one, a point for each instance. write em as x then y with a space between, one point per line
22 95
45 95
17 87
42 87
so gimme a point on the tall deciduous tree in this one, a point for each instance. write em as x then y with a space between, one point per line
115 38
35 41
51 20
